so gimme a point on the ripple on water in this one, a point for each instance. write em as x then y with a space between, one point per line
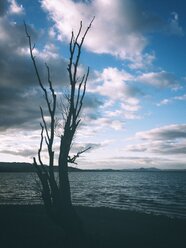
156 192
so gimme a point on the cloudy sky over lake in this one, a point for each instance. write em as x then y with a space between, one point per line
135 108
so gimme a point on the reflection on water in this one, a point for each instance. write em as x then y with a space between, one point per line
156 192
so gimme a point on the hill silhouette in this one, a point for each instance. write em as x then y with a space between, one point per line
24 167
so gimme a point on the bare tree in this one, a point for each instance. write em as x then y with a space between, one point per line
56 193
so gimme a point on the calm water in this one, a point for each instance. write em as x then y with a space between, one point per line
150 192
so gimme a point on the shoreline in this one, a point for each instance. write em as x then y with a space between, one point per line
28 226
23 167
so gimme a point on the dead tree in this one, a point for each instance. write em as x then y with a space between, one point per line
56 193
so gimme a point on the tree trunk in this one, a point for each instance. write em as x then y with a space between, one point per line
64 185
60 208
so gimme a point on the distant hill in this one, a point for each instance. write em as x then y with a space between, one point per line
24 167
27 167
16 167
148 169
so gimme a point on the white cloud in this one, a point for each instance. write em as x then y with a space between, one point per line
119 27
49 52
52 33
116 86
13 145
91 127
143 61
114 83
15 8
114 29
171 99
164 102
180 98
160 79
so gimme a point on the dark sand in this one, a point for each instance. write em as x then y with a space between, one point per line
29 227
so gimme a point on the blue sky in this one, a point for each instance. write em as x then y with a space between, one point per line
134 111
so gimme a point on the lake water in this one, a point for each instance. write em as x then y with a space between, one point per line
161 193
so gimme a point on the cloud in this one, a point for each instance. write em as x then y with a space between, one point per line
123 39
119 92
143 62
180 98
146 161
169 132
14 66
21 152
160 147
92 101
164 102
114 83
170 139
19 143
18 110
15 8
18 82
78 147
90 127
172 99
119 28
19 87
16 77
133 162
160 79
174 28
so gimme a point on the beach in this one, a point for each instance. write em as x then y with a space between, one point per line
28 226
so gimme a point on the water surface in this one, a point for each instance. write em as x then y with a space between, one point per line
149 192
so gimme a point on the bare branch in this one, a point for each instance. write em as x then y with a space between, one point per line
45 125
83 94
52 110
41 145
75 107
78 94
51 89
31 48
73 159
87 31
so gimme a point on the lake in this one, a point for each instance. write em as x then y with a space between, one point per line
162 193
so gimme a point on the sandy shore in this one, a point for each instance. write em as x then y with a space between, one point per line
28 226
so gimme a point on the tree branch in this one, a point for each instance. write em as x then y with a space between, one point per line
73 159
45 125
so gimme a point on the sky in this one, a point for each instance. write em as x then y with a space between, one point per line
134 112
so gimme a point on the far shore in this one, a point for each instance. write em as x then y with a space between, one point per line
28 226
28 167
